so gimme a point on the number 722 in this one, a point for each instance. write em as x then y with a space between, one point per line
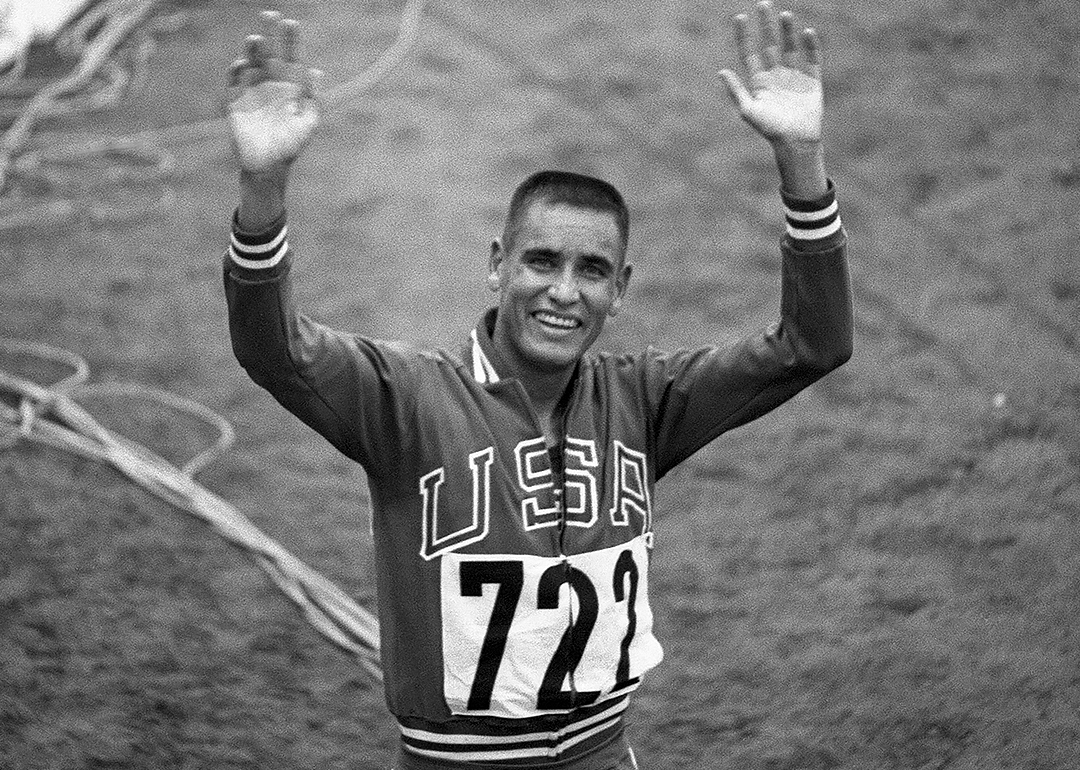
509 575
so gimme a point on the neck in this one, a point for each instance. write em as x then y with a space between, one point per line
543 386
545 389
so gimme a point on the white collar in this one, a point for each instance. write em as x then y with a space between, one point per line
483 371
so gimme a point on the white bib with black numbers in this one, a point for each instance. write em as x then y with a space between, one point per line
530 635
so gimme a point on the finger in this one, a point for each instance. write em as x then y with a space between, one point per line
236 72
290 31
812 46
789 40
311 84
769 32
271 24
736 90
744 40
257 51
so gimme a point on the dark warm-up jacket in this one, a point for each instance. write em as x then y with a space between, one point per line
513 578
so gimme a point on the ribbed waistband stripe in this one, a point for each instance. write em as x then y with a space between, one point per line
463 747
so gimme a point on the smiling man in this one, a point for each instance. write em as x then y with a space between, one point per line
512 481
560 270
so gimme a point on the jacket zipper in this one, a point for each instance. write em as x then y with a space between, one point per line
560 494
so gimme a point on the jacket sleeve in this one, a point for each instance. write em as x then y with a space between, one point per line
696 395
352 390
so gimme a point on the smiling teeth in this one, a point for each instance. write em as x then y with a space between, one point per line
554 320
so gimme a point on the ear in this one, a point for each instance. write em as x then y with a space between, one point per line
495 261
622 281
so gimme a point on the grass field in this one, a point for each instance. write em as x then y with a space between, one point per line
883 573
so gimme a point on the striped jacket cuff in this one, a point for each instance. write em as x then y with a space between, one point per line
262 250
811 222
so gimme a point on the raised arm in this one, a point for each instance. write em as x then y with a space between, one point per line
352 390
273 113
707 392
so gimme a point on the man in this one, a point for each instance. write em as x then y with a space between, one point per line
512 482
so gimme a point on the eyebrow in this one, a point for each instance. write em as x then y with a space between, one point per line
598 260
540 251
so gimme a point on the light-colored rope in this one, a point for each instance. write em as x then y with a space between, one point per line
123 18
93 59
47 414
408 28
226 435
185 133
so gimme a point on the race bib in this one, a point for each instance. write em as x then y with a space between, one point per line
529 635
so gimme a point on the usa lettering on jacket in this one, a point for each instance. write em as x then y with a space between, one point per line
543 502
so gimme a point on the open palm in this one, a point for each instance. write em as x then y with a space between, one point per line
783 98
271 123
272 108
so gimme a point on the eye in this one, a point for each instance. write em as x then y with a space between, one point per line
595 270
541 261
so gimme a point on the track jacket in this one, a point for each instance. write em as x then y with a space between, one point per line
512 578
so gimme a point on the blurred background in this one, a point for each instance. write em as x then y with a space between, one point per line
882 573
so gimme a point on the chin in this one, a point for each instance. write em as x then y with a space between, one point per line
547 358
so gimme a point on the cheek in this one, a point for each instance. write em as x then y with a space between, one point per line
515 292
523 284
601 300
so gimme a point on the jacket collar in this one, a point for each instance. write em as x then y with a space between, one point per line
484 361
480 354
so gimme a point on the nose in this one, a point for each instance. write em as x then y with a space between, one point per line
564 288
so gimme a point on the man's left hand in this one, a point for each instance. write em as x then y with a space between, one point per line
783 99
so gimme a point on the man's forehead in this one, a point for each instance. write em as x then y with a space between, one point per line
554 218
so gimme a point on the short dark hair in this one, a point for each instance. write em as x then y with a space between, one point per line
571 189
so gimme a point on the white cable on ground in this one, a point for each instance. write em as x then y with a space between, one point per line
184 133
123 17
48 415
408 28
117 29
226 435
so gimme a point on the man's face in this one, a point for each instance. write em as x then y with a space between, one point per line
558 280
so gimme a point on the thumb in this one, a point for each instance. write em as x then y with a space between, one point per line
312 83
736 90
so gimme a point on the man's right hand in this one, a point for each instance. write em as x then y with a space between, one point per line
272 105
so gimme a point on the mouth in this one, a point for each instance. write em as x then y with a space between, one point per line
557 320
